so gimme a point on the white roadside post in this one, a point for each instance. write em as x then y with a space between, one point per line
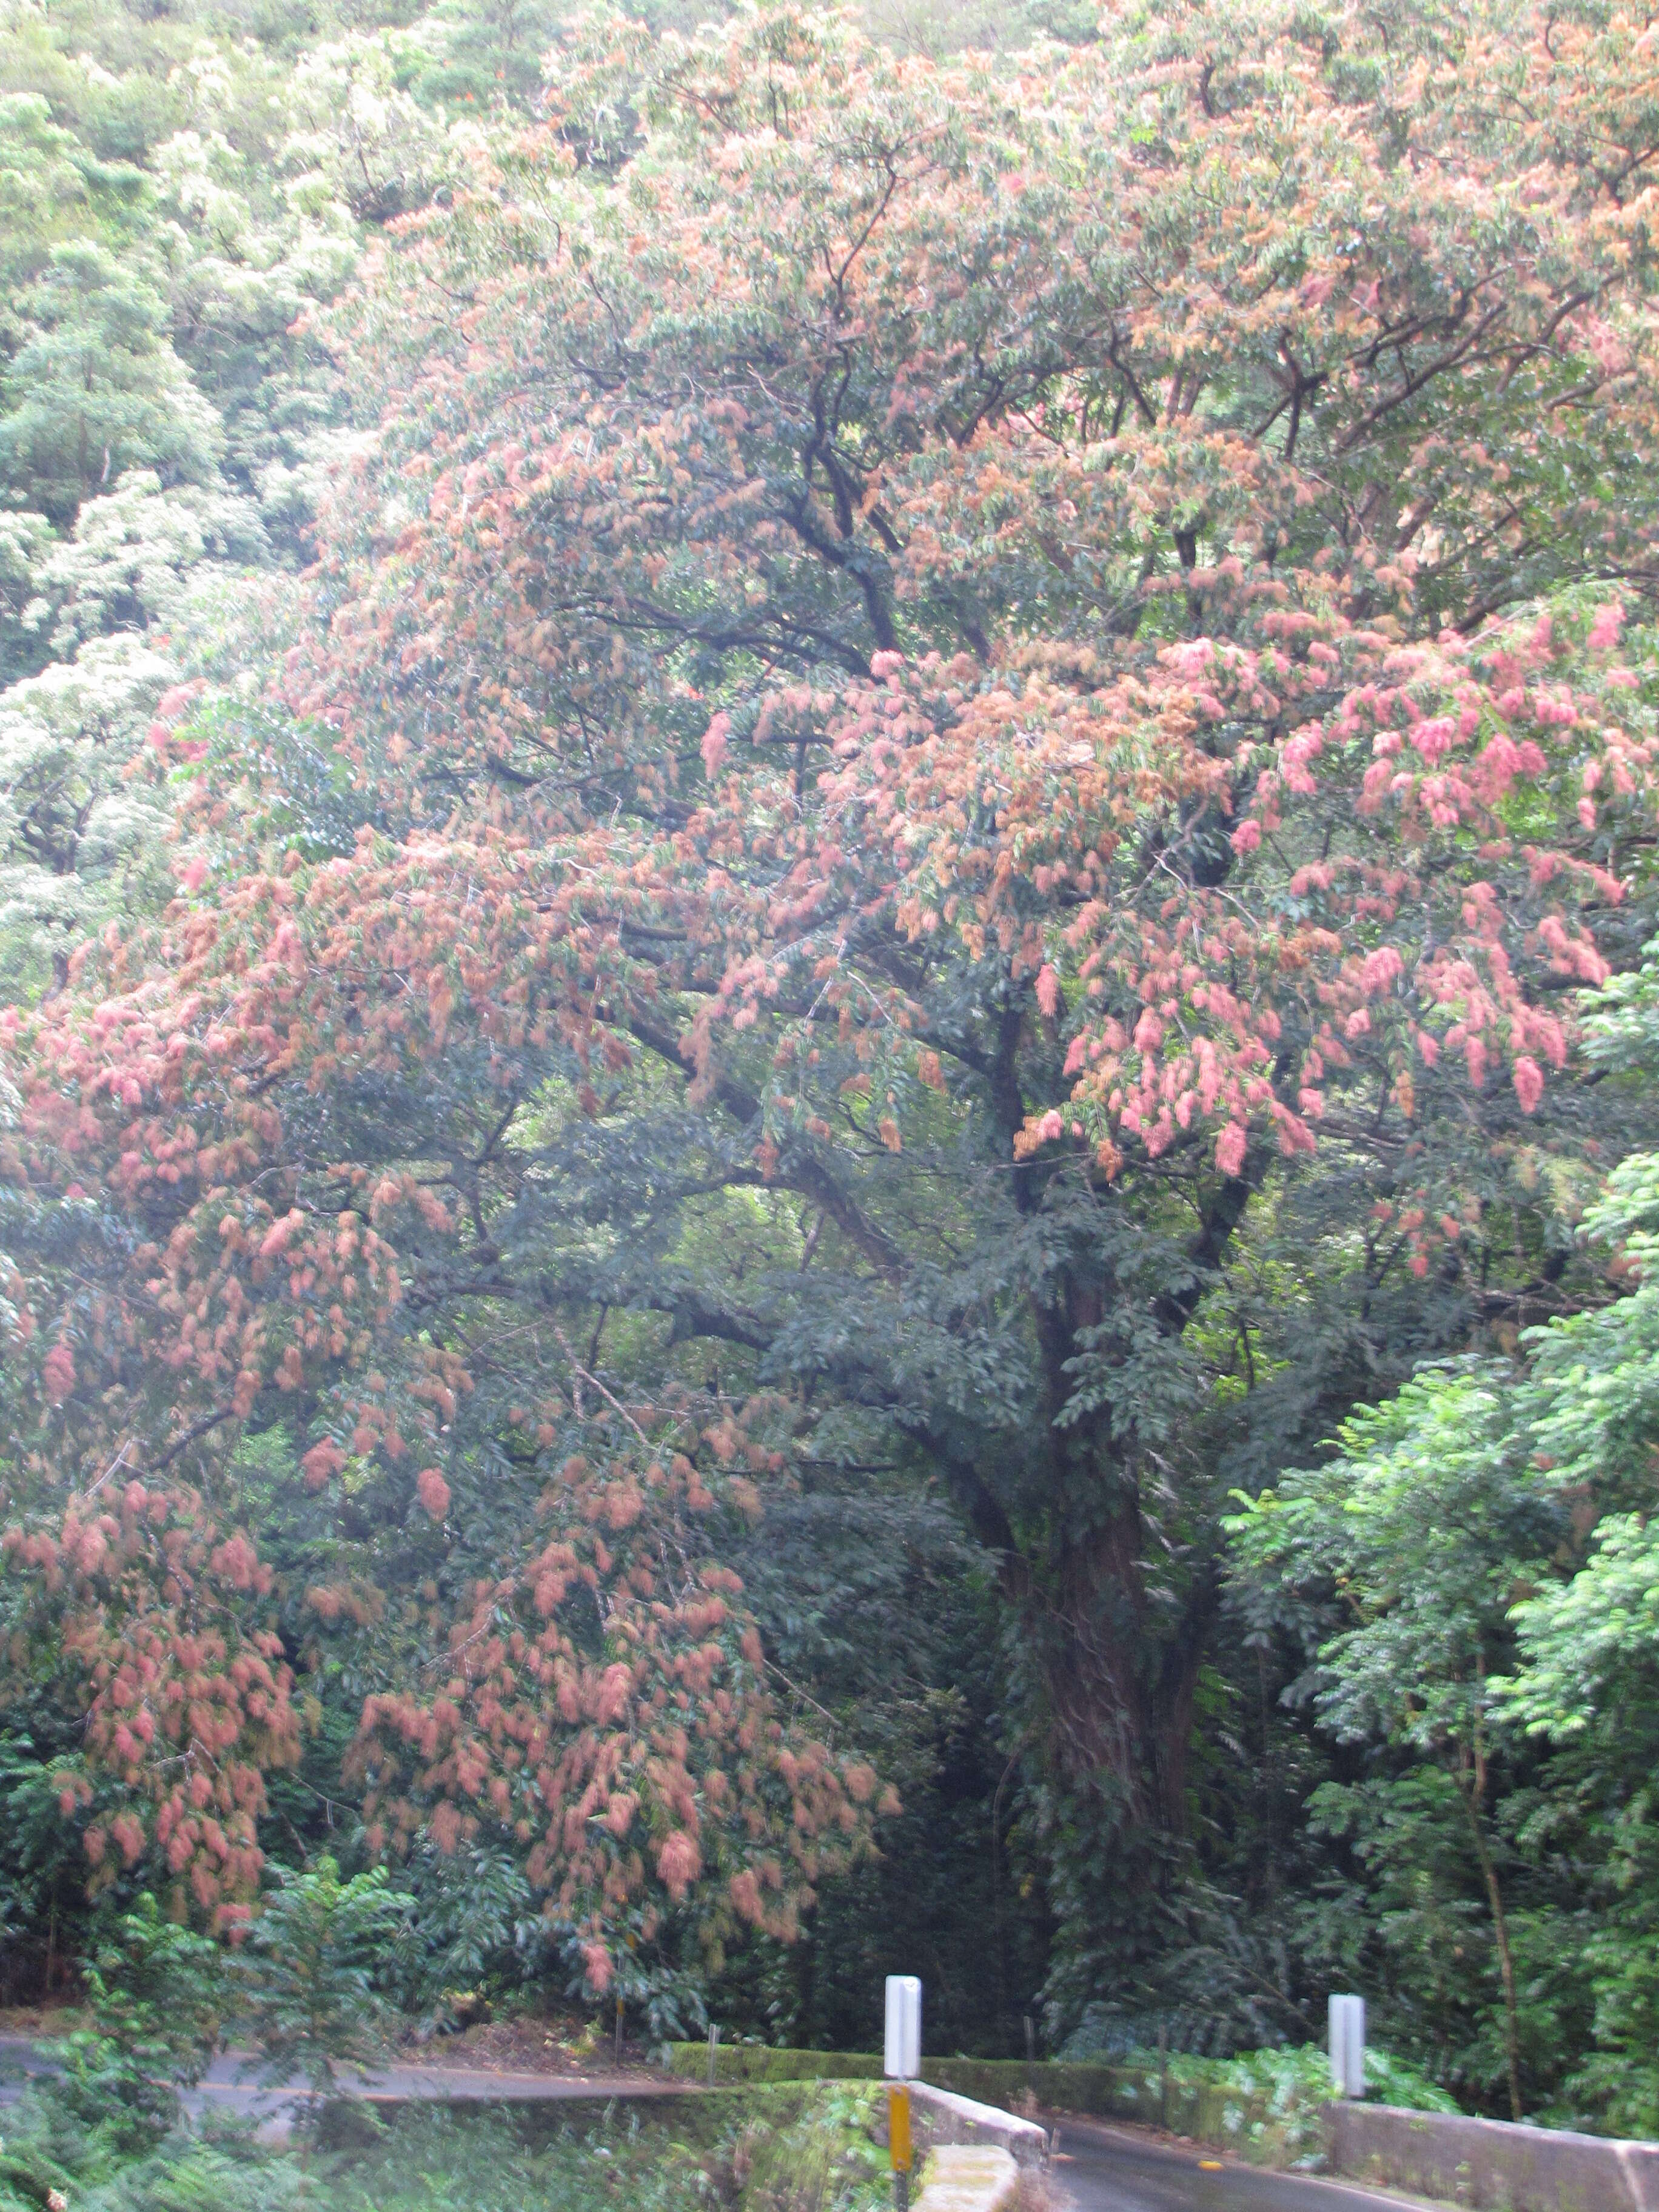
1348 2047
901 2063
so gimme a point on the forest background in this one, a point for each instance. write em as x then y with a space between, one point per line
827 1117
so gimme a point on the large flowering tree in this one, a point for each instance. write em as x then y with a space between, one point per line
960 730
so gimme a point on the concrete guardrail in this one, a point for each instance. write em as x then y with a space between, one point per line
1206 2111
1492 2166
965 2177
941 2119
972 2155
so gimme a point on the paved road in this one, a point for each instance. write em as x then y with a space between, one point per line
1102 2169
227 2084
1107 2169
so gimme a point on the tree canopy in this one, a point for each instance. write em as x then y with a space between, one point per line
928 831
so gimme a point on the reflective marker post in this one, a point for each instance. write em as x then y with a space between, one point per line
898 2141
1348 2047
901 2062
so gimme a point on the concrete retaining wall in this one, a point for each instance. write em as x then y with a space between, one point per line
972 2155
1492 2166
970 2179
1206 2111
939 2117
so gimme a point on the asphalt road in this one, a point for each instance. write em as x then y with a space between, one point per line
1101 2168
1105 2169
231 2083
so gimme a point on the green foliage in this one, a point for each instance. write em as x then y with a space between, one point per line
95 389
760 2062
112 2093
1420 1533
43 1921
1473 1574
1419 1529
1001 1395
175 196
789 2151
470 1924
1275 2098
947 27
158 1994
91 2157
1263 2104
308 1990
875 1601
803 2150
80 841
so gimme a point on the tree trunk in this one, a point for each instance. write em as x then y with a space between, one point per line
1472 1795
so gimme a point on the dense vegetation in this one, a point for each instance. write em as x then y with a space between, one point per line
827 1105
801 2150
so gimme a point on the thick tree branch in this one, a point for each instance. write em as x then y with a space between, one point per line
797 1170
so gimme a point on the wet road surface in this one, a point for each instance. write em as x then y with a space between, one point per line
1106 2169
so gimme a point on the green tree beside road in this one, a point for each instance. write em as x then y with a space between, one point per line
1475 1581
